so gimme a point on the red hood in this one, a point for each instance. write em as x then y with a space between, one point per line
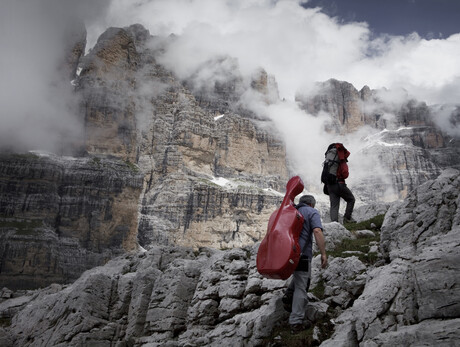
342 152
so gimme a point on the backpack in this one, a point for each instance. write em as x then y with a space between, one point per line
330 165
335 165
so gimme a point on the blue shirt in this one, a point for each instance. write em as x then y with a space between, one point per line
312 220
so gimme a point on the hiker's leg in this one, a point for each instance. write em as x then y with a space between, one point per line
334 198
300 300
290 289
348 196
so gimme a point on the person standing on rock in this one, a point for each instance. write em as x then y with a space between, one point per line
300 281
335 171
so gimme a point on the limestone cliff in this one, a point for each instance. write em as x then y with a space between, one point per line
211 171
60 216
150 168
139 111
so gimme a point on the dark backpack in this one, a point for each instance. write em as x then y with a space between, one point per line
330 165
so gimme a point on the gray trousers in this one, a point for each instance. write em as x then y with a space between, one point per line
299 285
337 191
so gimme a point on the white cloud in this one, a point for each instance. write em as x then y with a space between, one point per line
298 46
37 104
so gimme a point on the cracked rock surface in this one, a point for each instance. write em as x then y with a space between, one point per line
414 299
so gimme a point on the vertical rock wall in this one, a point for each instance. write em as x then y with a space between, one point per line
60 216
179 146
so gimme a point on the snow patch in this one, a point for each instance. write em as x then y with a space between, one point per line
42 153
223 182
404 128
376 139
386 144
275 192
218 117
229 184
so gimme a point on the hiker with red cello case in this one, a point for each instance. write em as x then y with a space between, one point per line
287 248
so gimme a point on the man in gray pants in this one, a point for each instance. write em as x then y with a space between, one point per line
298 287
340 190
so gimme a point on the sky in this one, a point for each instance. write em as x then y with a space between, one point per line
430 19
410 46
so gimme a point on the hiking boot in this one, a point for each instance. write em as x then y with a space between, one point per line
297 328
349 220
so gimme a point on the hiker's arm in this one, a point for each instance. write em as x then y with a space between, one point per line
319 237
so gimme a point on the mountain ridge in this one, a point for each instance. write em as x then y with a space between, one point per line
140 115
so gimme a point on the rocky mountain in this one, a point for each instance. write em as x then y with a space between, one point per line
155 167
138 111
175 296
406 147
165 161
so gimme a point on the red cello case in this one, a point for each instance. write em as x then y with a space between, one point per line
279 251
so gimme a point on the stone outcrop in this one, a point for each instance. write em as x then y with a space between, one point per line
178 296
61 216
168 295
414 299
171 296
107 82
219 87
339 99
351 109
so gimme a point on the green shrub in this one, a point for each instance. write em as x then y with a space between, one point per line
361 244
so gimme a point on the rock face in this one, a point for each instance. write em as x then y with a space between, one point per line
60 216
341 100
204 178
176 296
170 296
107 83
164 296
414 299
139 111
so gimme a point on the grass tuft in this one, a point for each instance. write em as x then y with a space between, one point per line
367 224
